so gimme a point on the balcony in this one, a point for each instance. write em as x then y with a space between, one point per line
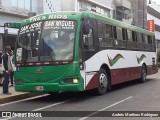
120 15
123 4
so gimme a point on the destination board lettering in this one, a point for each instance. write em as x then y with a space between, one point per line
53 24
31 27
39 18
59 25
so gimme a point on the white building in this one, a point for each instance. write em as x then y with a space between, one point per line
116 9
100 6
154 14
17 11
12 11
45 6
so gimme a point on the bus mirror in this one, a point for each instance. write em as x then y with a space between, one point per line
81 64
86 28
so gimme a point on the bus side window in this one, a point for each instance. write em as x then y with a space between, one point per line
88 41
118 42
105 35
125 37
146 45
115 36
140 44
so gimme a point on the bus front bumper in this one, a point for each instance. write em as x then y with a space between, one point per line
48 87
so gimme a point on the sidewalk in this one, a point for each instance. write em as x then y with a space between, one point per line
15 95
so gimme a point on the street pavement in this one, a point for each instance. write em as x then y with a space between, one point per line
130 96
14 95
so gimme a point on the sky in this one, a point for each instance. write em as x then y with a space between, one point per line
157 1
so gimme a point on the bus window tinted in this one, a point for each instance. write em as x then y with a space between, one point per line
105 35
88 41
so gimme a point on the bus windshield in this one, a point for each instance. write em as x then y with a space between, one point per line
47 41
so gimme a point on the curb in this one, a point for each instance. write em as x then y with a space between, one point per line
18 97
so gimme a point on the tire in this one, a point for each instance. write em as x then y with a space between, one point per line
143 74
102 82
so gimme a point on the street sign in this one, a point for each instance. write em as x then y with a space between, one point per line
151 26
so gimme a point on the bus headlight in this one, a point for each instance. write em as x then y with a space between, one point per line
75 80
71 80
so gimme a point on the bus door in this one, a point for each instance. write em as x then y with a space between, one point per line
89 48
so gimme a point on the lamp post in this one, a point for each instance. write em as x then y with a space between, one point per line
144 3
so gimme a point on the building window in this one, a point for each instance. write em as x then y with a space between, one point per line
119 33
84 5
23 4
129 34
27 4
93 8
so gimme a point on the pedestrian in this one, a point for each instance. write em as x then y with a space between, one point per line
11 72
6 64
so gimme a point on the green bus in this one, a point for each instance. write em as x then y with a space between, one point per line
77 51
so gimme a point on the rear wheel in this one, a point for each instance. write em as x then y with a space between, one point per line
143 74
102 82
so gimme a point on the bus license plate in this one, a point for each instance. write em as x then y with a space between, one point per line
39 88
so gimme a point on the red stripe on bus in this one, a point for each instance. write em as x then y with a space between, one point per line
121 75
93 83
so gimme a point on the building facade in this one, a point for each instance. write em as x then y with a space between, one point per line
117 9
11 11
129 11
154 14
17 11
45 6
139 13
100 6
122 11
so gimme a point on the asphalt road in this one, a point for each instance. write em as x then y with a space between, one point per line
130 96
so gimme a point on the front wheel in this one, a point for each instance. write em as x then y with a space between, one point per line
143 74
102 82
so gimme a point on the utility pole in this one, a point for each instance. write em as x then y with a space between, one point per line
30 5
143 14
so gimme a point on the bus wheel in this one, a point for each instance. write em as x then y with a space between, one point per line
143 74
103 82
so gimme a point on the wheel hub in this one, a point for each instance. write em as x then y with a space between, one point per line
103 81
